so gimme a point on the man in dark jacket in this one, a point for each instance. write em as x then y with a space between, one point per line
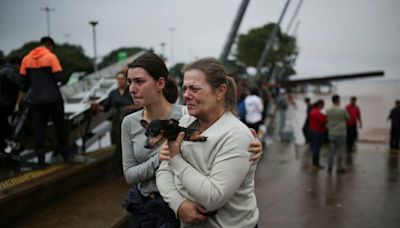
306 127
10 84
394 116
42 70
120 104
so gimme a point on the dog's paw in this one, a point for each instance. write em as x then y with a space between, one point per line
198 138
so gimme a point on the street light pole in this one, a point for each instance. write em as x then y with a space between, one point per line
172 29
94 23
48 10
162 50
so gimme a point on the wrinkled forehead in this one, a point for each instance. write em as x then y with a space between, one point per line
194 77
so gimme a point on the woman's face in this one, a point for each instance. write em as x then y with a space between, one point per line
142 87
201 100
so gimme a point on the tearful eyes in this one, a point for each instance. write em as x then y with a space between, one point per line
136 82
191 89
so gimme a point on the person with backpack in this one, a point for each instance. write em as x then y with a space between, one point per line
241 107
282 104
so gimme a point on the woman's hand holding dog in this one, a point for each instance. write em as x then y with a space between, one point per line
255 148
174 146
164 153
171 148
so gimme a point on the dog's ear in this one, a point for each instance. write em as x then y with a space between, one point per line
173 122
144 123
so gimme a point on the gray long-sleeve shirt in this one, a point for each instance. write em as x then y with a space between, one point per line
216 174
140 164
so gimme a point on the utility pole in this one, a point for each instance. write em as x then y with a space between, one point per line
162 50
47 10
299 4
93 24
294 16
270 41
233 32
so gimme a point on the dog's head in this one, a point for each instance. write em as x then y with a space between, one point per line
156 130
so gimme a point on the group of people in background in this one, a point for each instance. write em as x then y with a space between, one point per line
338 126
254 108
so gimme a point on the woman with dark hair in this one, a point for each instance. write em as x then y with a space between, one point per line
215 174
152 89
157 93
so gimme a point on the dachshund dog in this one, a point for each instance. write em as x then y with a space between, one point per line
159 130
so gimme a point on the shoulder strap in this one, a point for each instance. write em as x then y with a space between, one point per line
184 110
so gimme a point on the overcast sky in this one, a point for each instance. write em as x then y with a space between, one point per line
334 36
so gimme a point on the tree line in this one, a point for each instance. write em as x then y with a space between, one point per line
246 53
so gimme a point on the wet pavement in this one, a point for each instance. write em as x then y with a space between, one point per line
290 194
95 205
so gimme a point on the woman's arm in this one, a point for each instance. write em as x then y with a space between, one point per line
134 171
227 173
166 186
186 210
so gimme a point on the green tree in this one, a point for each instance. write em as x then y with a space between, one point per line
113 56
282 54
72 57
